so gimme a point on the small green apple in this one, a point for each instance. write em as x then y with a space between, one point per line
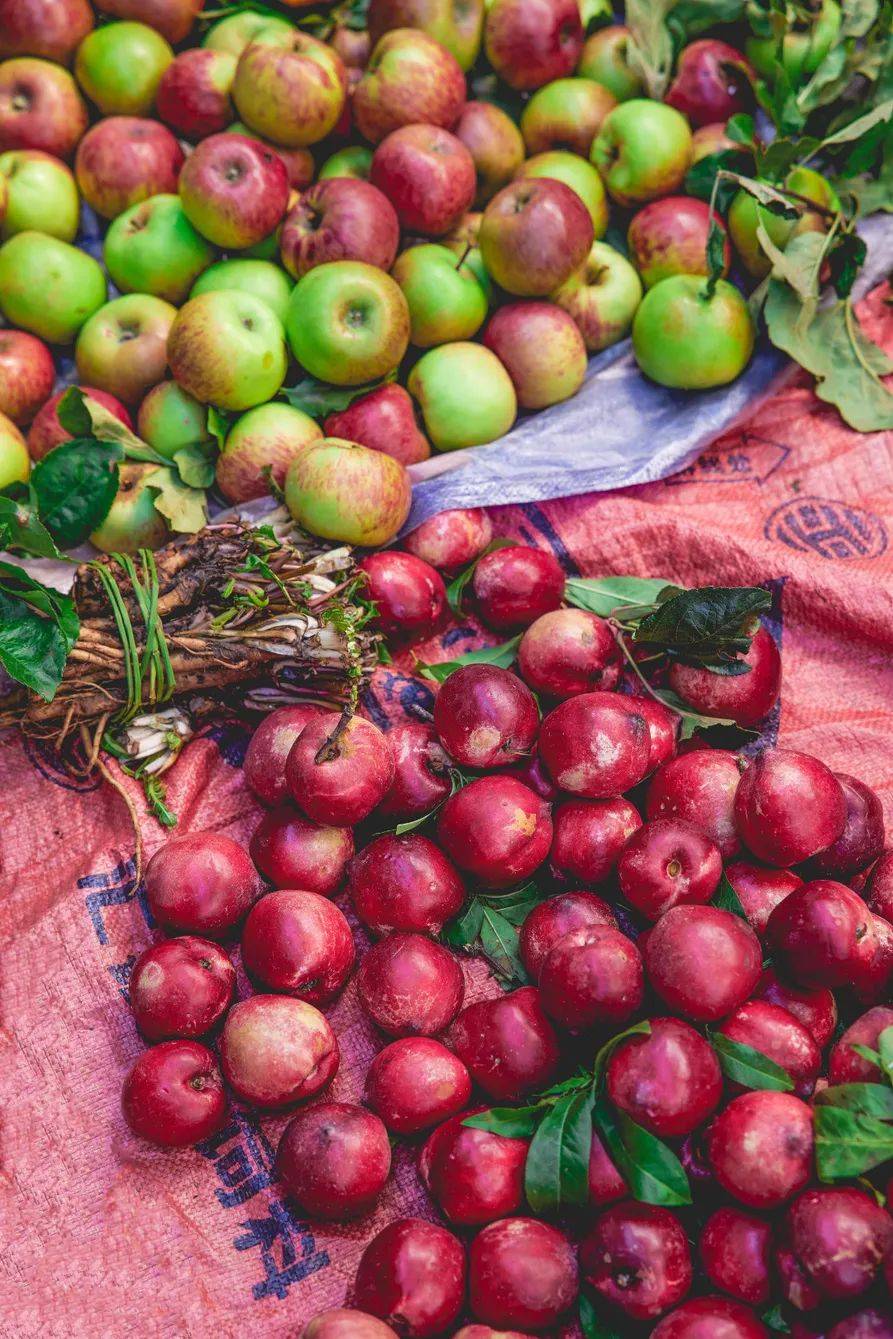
347 323
119 67
576 173
465 394
260 278
133 523
354 161
746 214
122 349
15 463
447 299
343 491
227 349
604 59
688 340
234 33
803 49
266 439
602 297
153 248
170 419
48 286
642 151
41 195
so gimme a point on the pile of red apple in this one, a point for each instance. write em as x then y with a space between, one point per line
555 772
280 207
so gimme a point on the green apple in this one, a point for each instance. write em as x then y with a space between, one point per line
15 463
260 278
234 33
803 49
688 340
456 24
354 161
746 214
565 114
170 419
133 523
119 67
48 286
604 59
602 297
465 395
41 194
264 441
122 349
447 299
347 322
343 491
642 151
227 349
153 248
576 173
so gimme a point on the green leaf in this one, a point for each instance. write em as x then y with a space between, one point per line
716 254
502 655
847 1144
603 1055
727 899
706 625
774 1319
885 1050
510 1122
603 595
865 1099
21 529
770 198
846 258
556 1174
879 115
74 487
100 423
38 628
748 1066
499 943
867 1053
464 930
649 50
701 178
195 464
184 507
456 589
319 399
740 129
651 1170
219 425
591 1323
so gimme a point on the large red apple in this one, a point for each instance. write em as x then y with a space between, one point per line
410 77
542 350
534 234
125 159
712 83
40 107
193 97
530 42
340 219
46 431
428 175
172 18
233 190
48 28
27 374
383 420
669 236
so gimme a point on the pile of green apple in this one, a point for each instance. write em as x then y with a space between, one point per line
330 258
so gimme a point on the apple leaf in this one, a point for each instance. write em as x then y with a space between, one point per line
219 424
715 172
456 588
727 899
501 655
716 254
710 625
195 464
21 528
605 595
649 50
592 1325
74 487
91 419
848 1144
556 1173
183 506
38 628
749 1067
319 399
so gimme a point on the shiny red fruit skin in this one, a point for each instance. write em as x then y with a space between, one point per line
592 978
879 892
712 83
815 1009
636 1258
202 883
665 864
334 1159
833 1242
699 788
846 1065
521 1272
507 1044
788 807
774 1032
743 698
409 594
862 839
569 651
421 772
760 890
668 1081
297 943
606 1184
473 1176
294 852
269 747
276 1051
181 988
410 986
590 836
496 829
174 1095
452 538
486 717
735 1250
404 883
710 1318
760 1148
702 961
415 1083
352 775
412 1273
822 934
512 587
549 921
596 745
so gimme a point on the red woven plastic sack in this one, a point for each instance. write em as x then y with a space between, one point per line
104 1235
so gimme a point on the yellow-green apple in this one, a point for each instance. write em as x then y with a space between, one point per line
347 323
533 235
410 79
746 215
713 81
40 107
529 42
339 219
353 161
341 490
447 299
233 33
4 199
169 419
669 236
565 114
384 420
227 349
260 278
133 522
352 44
174 19
289 87
27 374
577 173
465 394
299 163
50 29
15 463
642 151
124 159
542 350
456 24
604 58
812 34
261 445
234 190
689 339
428 176
40 194
46 432
710 139
193 97
123 347
602 297
495 144
119 67
153 248
48 287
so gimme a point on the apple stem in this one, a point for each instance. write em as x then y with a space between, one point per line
461 261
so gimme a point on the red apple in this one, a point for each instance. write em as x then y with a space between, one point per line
383 420
233 190
535 233
339 219
712 83
172 18
352 45
669 236
428 175
541 349
46 431
495 144
51 29
40 107
125 159
712 139
530 42
410 78
193 97
27 373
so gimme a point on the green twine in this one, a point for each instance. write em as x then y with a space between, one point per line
150 673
